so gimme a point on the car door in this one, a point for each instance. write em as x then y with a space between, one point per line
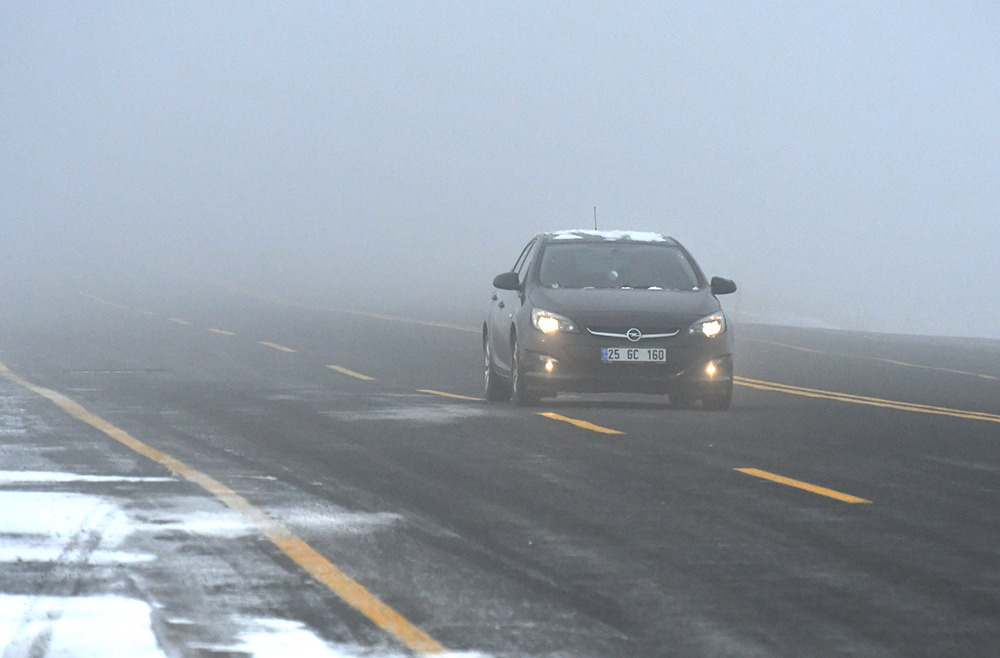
504 303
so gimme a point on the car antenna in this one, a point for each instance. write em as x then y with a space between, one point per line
595 218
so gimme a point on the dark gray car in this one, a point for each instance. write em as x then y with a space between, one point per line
608 311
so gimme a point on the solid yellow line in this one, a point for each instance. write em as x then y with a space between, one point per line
221 332
179 321
448 395
351 373
870 401
579 423
822 491
873 358
302 553
280 348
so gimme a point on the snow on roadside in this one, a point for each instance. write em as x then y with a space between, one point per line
76 627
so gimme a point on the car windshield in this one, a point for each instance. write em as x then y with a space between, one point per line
616 264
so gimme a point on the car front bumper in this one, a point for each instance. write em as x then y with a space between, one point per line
696 365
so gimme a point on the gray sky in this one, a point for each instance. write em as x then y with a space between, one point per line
841 160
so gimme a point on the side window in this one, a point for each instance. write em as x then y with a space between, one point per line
525 262
523 258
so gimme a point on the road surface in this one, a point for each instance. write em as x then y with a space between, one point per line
215 470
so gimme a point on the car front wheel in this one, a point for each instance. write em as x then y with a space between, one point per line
519 393
495 389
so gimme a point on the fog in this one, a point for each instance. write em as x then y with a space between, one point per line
839 160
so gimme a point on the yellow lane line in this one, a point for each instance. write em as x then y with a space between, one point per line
874 358
302 553
221 332
351 373
860 399
179 321
380 316
579 423
103 301
822 491
448 395
280 348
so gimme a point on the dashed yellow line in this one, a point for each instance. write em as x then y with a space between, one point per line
579 423
861 399
298 550
392 318
179 321
351 373
104 301
396 318
280 348
221 332
798 484
449 395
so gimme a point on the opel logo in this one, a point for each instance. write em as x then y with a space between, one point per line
634 335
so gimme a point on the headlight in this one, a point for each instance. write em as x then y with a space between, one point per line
710 325
550 323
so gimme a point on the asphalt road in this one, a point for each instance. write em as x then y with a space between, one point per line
845 506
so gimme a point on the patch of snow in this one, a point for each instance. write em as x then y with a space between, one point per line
222 523
14 553
353 523
50 527
438 414
181 515
11 422
77 627
61 515
635 236
33 477
277 638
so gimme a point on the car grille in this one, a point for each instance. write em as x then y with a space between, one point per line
620 332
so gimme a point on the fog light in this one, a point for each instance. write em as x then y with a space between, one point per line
710 370
549 365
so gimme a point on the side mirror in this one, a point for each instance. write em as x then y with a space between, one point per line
507 281
722 286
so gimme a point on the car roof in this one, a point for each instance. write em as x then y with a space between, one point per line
586 235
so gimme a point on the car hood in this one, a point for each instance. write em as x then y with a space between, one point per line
614 309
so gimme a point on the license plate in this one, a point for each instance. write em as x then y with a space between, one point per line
633 354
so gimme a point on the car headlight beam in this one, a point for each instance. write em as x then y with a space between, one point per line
710 325
550 323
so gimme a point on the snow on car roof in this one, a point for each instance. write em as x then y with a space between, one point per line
635 236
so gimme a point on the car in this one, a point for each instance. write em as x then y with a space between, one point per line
608 311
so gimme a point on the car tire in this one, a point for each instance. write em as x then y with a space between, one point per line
495 388
721 400
519 393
